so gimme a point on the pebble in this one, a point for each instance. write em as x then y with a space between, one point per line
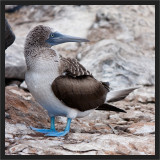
26 137
122 122
137 107
9 136
7 115
22 153
23 85
12 140
7 144
30 150
142 128
17 148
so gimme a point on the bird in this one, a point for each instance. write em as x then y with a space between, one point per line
63 86
9 35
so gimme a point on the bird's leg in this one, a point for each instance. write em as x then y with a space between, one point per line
58 134
52 129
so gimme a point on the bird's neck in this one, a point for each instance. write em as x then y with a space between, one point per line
36 57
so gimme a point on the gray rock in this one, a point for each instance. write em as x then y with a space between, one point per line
118 63
143 95
17 148
105 19
7 144
142 128
93 138
7 115
23 85
16 129
136 116
9 136
29 150
23 109
15 66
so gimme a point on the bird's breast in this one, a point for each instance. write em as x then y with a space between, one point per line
39 80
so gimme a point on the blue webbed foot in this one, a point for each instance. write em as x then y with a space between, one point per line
43 130
58 134
52 129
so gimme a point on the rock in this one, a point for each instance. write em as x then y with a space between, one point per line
137 107
22 153
16 129
26 137
9 136
122 149
120 129
17 148
23 85
121 60
143 95
114 116
85 143
119 64
6 144
43 143
15 66
122 122
81 147
97 145
9 35
104 19
30 150
7 115
93 138
142 128
23 109
102 128
126 37
135 116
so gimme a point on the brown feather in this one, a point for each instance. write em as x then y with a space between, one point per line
82 92
72 67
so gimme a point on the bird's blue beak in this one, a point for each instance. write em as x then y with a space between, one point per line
56 38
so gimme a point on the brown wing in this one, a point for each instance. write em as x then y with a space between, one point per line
83 92
77 88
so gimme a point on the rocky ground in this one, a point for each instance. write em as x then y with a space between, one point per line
121 50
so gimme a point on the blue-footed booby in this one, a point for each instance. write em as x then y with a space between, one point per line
62 85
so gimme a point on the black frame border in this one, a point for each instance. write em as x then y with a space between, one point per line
82 2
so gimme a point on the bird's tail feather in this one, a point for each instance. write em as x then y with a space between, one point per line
108 107
114 96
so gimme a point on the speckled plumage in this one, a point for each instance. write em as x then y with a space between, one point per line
72 67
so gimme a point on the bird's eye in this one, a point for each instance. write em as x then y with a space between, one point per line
52 35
